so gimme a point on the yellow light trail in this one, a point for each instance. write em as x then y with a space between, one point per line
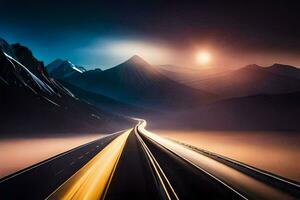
92 180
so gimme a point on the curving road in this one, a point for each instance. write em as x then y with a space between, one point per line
138 164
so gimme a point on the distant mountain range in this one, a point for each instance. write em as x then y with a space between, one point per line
33 102
246 81
136 82
64 97
200 98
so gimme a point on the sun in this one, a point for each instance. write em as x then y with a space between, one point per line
203 57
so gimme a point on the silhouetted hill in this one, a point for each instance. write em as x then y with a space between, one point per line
285 70
251 80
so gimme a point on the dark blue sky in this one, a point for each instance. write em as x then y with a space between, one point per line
105 33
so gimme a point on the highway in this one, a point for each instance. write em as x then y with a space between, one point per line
133 178
138 164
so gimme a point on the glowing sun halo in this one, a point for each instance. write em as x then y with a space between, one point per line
203 58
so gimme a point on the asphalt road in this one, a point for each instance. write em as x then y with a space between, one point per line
187 181
142 165
245 181
133 177
38 181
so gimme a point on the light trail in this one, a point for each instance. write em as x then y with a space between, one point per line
92 180
235 180
166 188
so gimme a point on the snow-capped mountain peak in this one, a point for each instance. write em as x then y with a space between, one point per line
63 68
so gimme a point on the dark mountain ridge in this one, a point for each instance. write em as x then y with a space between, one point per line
33 105
252 80
286 70
137 82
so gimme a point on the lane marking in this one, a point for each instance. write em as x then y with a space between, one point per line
60 171
143 124
80 157
91 181
113 172
159 172
249 167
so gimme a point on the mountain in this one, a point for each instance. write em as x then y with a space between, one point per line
136 82
34 69
276 112
7 48
251 80
61 69
285 70
24 56
33 105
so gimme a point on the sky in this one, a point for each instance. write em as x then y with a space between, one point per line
105 33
